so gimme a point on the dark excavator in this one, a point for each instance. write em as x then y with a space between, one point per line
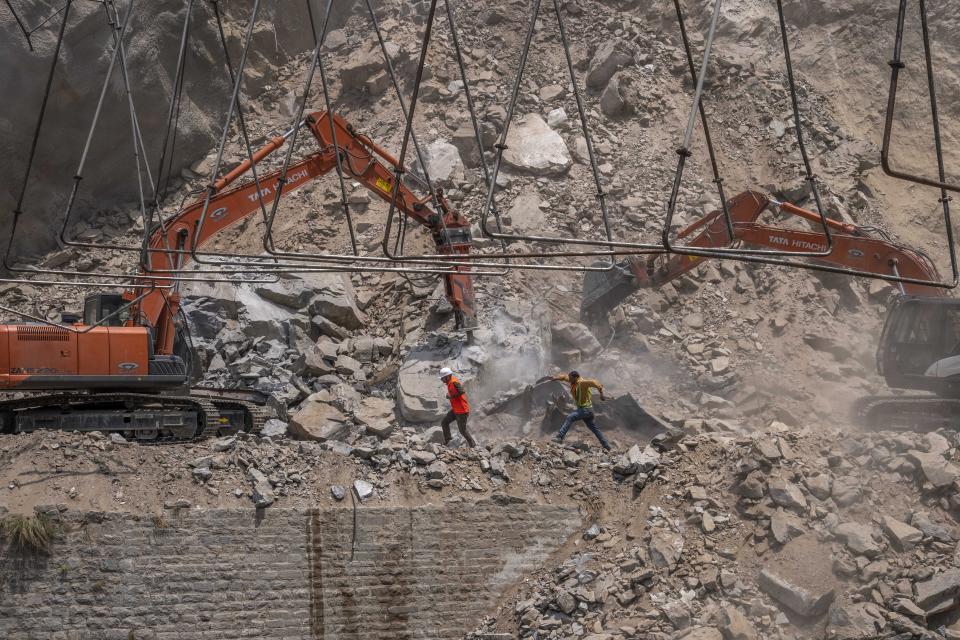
122 367
920 344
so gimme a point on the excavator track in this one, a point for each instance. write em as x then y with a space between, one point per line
908 413
146 418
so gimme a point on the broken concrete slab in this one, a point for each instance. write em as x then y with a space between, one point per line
799 600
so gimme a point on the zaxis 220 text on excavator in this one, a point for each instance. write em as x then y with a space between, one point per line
920 343
122 367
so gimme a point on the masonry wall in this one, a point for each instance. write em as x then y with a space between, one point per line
387 573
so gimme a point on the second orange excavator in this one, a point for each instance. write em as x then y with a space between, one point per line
920 343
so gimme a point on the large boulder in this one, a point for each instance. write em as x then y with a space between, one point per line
318 420
534 147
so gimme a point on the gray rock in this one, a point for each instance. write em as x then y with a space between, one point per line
433 435
347 366
203 462
678 614
936 469
274 428
943 586
338 492
902 535
263 495
614 101
437 470
785 526
421 396
608 59
363 488
526 213
592 532
318 420
224 444
859 538
443 163
536 148
797 599
922 521
288 291
326 327
752 486
736 626
576 335
785 493
423 457
202 473
565 601
359 67
665 548
819 486
846 490
855 621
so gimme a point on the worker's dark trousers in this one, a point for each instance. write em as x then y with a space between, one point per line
461 419
587 416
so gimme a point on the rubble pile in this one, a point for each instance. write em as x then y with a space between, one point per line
772 535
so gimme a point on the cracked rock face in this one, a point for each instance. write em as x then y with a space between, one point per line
151 49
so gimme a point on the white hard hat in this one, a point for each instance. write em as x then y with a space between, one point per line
446 371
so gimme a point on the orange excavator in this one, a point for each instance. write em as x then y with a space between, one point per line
121 368
920 343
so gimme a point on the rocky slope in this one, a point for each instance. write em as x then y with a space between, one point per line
819 529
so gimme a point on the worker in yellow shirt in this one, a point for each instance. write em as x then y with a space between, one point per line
582 391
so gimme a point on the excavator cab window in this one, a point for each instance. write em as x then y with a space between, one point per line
97 307
919 333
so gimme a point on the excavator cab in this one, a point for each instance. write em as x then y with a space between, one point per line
98 306
920 345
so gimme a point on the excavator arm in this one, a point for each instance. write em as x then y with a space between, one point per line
171 243
852 248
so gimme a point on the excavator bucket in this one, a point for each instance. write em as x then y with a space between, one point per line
603 291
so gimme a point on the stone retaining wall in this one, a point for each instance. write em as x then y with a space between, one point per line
423 572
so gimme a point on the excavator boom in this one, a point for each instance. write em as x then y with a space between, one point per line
852 248
171 244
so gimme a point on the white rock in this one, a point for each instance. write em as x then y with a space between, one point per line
534 147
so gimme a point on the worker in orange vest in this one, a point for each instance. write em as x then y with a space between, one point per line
459 408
